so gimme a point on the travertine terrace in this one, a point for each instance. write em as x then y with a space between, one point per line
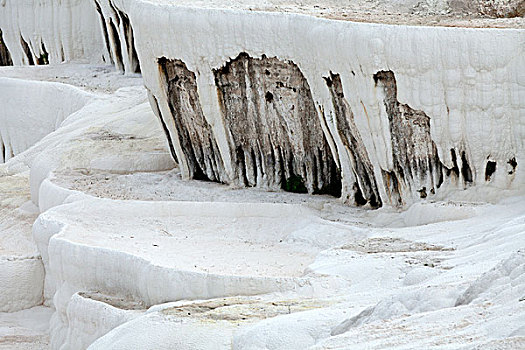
262 174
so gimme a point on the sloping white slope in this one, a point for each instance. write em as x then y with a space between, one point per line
32 110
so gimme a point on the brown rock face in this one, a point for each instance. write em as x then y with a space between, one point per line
195 135
275 130
416 162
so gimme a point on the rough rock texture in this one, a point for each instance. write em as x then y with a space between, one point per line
416 164
276 133
5 56
195 136
493 8
365 186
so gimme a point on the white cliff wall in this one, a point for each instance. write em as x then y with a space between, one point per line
469 84
406 112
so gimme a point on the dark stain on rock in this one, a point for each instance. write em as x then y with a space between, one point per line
416 163
490 169
3 154
104 30
513 164
158 113
117 53
44 56
5 55
455 168
274 126
194 132
27 51
130 42
365 186
466 172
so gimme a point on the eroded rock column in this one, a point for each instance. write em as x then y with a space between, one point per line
416 164
276 135
194 132
364 188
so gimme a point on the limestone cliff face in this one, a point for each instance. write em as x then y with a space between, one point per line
194 133
276 139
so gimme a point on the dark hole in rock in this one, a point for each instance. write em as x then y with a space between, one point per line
512 162
274 142
44 56
27 51
195 135
3 154
490 169
414 153
294 184
455 168
423 192
465 168
358 197
5 55
365 188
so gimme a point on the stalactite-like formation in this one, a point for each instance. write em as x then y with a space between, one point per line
130 44
105 33
365 186
116 53
194 132
276 133
27 51
44 55
417 167
5 55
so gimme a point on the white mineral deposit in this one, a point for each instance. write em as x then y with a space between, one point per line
270 174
